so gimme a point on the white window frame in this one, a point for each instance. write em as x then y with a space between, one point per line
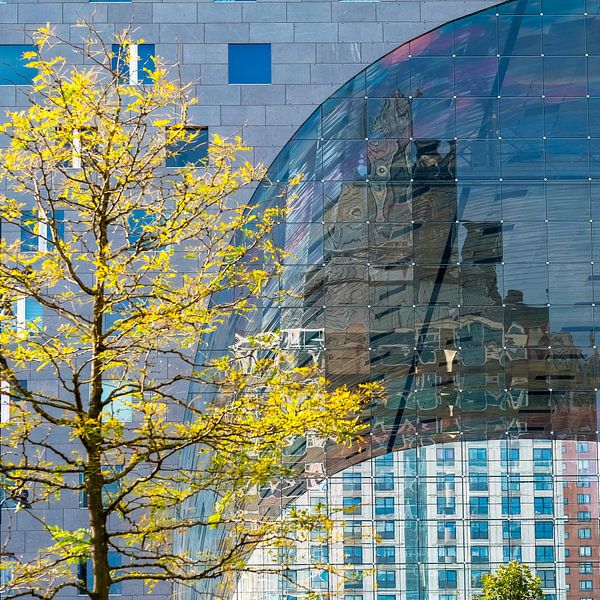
4 401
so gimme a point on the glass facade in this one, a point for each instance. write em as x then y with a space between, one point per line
445 240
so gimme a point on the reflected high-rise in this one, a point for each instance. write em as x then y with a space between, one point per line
445 242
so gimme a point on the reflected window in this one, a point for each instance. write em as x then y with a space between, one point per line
511 530
479 530
447 579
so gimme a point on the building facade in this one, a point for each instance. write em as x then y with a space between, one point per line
443 241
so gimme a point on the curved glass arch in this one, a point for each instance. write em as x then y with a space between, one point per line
445 240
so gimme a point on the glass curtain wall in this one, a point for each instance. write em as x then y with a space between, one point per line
445 240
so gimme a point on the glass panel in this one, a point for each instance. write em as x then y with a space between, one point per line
520 76
557 30
565 76
523 159
520 37
566 117
476 117
344 119
432 77
476 36
476 76
521 118
433 118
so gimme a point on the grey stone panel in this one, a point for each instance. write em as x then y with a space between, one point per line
8 13
230 33
339 52
179 33
351 11
398 11
271 32
263 94
316 32
298 12
293 53
292 73
259 12
361 32
248 115
135 14
40 13
219 12
175 12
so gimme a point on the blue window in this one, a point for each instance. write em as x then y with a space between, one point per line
509 457
479 505
134 63
386 597
477 457
511 530
511 483
386 579
547 576
194 151
544 530
480 554
385 530
85 574
37 236
542 481
511 553
353 531
34 312
444 457
446 506
583 447
353 555
479 530
544 554
447 554
29 236
446 482
583 498
139 221
119 406
447 579
476 577
319 554
249 63
385 554
353 580
384 482
542 457
13 67
478 482
384 506
352 482
543 506
511 505
446 530
352 505
384 462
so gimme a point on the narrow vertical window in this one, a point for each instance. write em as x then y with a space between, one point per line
133 63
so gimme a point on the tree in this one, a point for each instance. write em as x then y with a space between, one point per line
110 265
513 581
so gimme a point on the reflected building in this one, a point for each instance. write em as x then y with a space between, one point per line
444 241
